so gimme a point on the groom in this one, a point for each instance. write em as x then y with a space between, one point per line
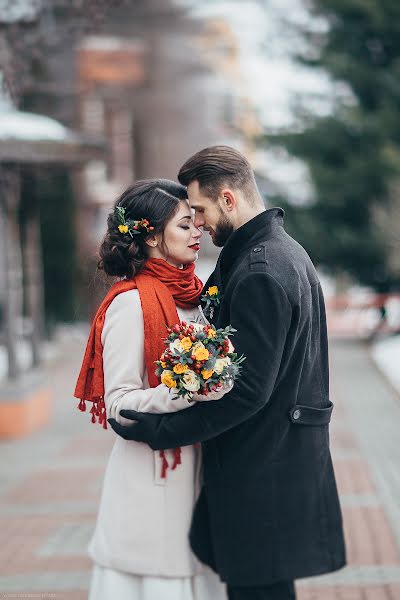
268 512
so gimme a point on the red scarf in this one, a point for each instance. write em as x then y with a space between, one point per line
161 287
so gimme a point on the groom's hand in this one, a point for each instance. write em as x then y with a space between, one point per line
144 430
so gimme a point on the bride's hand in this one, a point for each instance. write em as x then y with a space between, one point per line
217 395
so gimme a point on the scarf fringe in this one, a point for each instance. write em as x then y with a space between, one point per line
177 458
164 466
98 410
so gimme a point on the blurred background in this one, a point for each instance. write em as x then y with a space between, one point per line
97 93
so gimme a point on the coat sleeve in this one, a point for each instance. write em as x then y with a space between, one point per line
261 313
124 364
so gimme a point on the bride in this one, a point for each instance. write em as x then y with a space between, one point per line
140 546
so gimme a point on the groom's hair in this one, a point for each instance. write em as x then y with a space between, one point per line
219 166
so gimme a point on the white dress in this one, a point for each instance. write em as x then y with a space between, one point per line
140 545
107 584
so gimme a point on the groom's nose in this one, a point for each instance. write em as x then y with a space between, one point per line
199 220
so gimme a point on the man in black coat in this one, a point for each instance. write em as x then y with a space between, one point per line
268 512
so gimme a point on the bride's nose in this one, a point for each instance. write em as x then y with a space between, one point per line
197 233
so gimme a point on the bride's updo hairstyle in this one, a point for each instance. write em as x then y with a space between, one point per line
156 200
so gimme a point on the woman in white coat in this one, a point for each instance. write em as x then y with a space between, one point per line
140 546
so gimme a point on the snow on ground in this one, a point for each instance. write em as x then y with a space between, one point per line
386 354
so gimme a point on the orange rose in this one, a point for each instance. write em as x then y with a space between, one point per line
207 374
201 354
179 369
186 343
167 379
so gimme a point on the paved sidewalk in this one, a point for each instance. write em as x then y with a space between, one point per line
365 440
50 484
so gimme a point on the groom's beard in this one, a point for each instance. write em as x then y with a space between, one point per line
222 232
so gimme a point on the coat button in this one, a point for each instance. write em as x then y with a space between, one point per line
258 249
296 414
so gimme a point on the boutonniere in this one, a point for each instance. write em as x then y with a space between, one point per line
212 298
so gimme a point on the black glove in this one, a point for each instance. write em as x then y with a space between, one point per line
143 431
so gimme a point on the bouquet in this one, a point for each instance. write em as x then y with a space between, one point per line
198 359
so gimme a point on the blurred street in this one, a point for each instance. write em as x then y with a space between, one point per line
50 484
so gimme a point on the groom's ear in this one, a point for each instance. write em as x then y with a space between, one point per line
228 199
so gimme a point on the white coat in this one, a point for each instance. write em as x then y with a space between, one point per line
143 520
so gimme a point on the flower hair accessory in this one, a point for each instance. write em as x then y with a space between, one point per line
130 226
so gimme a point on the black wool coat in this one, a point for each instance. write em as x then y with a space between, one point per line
269 509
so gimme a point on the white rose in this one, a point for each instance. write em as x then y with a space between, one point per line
190 381
219 365
176 345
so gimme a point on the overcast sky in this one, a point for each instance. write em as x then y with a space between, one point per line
273 80
268 39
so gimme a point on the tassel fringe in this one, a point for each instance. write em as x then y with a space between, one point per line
98 411
177 458
164 466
